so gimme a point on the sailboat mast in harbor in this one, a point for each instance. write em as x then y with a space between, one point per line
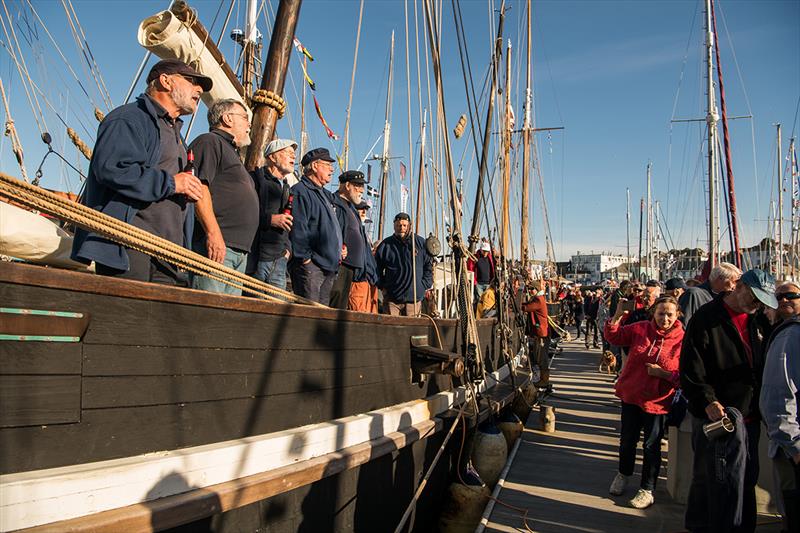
712 117
779 218
386 132
526 150
505 184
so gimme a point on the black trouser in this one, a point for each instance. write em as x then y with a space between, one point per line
578 322
145 268
340 292
789 479
634 421
711 507
591 326
310 281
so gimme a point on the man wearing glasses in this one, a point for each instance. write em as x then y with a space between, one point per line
227 214
137 174
721 365
780 397
316 237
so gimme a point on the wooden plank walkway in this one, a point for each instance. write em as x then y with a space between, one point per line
562 478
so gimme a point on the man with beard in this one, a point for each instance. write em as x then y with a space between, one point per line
721 365
136 174
272 248
316 237
351 188
398 264
227 215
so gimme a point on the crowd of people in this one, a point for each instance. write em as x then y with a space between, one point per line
726 348
265 223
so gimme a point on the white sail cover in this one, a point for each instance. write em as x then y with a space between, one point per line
34 238
167 37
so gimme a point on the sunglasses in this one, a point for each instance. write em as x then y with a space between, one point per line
788 296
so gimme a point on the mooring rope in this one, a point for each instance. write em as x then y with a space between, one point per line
132 237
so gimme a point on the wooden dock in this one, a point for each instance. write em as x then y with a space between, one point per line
562 478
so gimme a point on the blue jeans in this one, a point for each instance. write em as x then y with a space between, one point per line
311 282
233 259
272 272
634 421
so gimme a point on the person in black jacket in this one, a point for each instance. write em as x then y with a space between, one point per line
397 268
722 359
271 249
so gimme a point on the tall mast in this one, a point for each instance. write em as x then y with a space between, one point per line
794 211
526 150
346 149
779 271
711 120
303 134
274 78
249 46
386 132
487 132
421 180
506 182
649 231
628 227
641 214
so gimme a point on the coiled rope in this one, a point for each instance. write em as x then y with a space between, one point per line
271 99
140 240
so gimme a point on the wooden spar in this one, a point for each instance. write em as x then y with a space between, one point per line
421 180
184 13
386 133
526 151
487 134
249 47
346 149
506 182
274 78
303 134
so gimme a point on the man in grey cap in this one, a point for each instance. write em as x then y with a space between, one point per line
137 174
721 365
272 249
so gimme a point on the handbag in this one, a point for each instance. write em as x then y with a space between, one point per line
677 411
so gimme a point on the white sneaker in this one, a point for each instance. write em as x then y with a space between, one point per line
618 485
643 499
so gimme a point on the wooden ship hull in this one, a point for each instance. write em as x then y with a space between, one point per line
133 406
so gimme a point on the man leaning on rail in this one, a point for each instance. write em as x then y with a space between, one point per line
136 174
227 214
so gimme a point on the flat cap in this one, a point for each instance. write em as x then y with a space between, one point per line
315 155
401 216
176 66
352 176
277 145
362 205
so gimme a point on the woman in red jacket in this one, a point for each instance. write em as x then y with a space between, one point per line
645 386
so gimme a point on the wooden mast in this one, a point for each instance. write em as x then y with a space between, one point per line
506 183
274 78
474 235
526 151
421 180
385 157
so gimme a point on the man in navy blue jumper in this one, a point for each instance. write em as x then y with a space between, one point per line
316 237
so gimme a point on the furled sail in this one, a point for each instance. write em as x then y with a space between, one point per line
166 36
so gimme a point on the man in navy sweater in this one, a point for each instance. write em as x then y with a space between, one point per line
316 237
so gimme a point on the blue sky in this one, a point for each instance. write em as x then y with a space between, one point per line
610 73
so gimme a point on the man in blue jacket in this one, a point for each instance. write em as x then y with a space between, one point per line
316 237
397 266
136 174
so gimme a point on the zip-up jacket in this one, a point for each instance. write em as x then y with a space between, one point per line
315 231
780 390
123 177
714 362
647 345
395 275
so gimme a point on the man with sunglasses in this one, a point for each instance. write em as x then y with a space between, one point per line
137 174
227 215
721 366
780 398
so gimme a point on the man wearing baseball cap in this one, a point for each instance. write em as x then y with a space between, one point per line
316 236
720 369
272 249
137 174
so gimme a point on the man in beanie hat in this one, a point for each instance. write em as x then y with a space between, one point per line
137 174
720 369
272 249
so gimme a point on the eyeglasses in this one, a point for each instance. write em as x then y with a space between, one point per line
242 115
190 79
788 296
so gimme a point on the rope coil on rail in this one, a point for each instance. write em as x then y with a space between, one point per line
142 241
271 99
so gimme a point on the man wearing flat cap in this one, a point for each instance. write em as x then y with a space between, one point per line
721 365
315 236
351 188
402 261
137 174
272 249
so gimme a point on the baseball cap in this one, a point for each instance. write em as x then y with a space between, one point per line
362 205
176 66
763 286
675 283
485 247
277 145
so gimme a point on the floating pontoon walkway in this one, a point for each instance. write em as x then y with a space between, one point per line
562 478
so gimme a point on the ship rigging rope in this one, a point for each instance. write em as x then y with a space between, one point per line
132 237
80 40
